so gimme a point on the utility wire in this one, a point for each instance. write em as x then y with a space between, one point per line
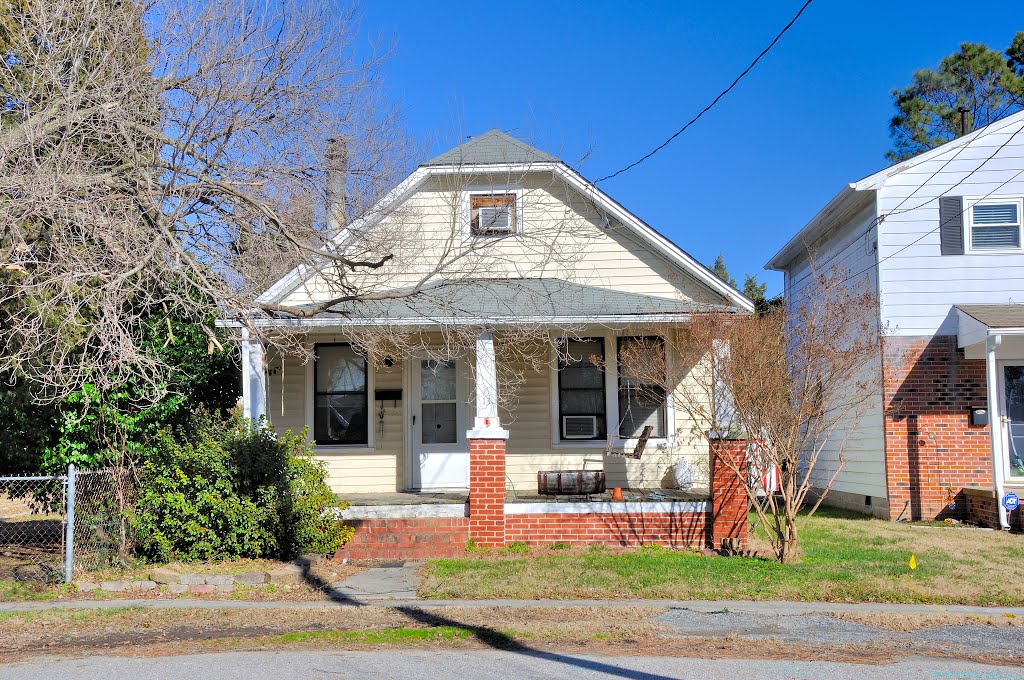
878 219
716 99
941 224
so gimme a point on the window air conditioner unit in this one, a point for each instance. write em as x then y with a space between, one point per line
579 427
494 220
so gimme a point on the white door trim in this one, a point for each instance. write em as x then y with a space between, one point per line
1003 429
414 423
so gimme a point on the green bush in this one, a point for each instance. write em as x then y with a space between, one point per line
222 489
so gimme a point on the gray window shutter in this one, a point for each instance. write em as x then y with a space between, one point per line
951 225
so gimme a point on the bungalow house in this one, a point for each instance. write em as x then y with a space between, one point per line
494 242
938 238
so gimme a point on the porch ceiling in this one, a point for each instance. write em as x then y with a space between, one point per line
511 301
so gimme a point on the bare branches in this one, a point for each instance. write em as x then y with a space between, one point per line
794 382
168 160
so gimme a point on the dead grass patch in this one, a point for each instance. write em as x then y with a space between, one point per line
907 623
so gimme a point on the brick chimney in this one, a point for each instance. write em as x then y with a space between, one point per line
337 177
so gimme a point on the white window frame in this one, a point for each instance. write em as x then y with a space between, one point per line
970 202
489 190
611 396
310 404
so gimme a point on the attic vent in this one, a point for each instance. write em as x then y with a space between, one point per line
492 214
579 427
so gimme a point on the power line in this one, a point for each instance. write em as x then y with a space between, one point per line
878 219
942 223
715 100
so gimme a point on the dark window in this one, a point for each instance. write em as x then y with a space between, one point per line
339 396
642 377
492 214
581 396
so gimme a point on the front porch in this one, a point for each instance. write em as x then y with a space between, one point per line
431 458
415 498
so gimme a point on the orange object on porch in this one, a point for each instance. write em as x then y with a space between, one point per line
617 493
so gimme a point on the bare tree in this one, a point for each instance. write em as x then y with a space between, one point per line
794 382
171 159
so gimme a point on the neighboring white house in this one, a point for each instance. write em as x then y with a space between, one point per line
547 249
939 239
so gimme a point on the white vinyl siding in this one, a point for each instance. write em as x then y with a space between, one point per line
859 443
919 286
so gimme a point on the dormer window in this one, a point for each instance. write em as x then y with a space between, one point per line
492 214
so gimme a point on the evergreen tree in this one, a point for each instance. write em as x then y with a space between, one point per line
754 290
987 83
723 273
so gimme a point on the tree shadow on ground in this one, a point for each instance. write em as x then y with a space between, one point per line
505 642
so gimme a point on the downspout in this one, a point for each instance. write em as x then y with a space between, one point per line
995 426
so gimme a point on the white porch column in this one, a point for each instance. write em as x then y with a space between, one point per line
995 426
486 423
254 379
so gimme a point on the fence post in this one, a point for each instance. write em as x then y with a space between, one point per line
69 526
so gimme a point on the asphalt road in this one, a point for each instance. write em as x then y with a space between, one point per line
481 665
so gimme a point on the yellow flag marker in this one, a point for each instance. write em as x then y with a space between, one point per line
912 562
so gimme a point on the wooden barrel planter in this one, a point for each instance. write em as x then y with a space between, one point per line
570 482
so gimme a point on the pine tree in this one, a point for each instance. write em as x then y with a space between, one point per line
987 83
723 273
754 290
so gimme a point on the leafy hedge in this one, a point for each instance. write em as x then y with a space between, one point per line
220 489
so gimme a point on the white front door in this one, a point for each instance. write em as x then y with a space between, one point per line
440 452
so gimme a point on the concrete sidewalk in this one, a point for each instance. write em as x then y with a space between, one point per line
737 607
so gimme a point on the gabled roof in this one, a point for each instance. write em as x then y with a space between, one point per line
495 151
855 194
510 300
493 146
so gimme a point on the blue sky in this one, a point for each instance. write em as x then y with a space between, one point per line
616 78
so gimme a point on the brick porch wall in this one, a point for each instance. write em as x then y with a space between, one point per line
928 387
729 502
487 492
391 539
616 524
623 529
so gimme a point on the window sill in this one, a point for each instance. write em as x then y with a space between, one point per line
616 445
1018 251
594 444
342 448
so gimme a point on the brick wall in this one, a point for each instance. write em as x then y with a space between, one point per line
729 501
406 538
487 492
625 529
489 526
930 445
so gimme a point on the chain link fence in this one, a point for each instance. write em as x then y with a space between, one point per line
54 526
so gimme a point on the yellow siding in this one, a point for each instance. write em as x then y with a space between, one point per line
530 447
349 471
562 237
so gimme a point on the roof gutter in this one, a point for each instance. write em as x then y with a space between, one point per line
842 204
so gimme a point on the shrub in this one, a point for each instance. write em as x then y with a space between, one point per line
221 489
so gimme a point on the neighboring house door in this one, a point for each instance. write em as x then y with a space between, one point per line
440 452
1012 412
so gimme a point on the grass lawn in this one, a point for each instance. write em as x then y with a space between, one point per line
844 558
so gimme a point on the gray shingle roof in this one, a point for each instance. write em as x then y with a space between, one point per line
493 146
506 300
